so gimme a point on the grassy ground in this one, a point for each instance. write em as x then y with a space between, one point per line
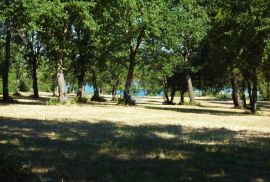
149 142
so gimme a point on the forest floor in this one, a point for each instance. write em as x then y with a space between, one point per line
148 142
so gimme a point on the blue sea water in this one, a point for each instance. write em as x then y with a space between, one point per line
90 90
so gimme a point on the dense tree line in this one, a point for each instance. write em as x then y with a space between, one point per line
161 45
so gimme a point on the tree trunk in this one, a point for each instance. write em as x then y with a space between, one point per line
72 88
268 92
132 61
254 96
6 64
244 102
114 90
127 96
182 97
81 69
235 92
172 95
165 90
96 96
34 77
249 91
190 89
63 97
80 86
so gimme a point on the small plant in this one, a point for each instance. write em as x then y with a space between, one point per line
98 99
82 100
17 94
53 102
192 104
168 103
128 102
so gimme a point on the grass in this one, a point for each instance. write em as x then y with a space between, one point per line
149 142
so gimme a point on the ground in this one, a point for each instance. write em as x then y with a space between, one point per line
148 142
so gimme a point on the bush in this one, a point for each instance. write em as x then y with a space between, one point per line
23 87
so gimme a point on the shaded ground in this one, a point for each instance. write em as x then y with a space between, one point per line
150 142
105 151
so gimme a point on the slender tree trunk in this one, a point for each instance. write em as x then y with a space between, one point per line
172 95
165 90
190 89
244 102
235 92
182 97
189 81
132 63
127 96
72 88
63 97
34 77
6 64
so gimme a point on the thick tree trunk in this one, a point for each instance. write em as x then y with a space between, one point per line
235 92
81 75
6 64
267 92
254 96
63 97
190 89
80 86
96 96
114 90
249 91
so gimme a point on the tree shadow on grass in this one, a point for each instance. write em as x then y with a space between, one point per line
201 110
105 151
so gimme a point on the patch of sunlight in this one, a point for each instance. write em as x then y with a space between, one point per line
165 135
32 149
217 175
83 134
125 155
51 135
258 180
197 142
172 155
15 141
41 170
70 139
122 133
3 142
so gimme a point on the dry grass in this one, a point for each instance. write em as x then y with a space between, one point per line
149 142
211 114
